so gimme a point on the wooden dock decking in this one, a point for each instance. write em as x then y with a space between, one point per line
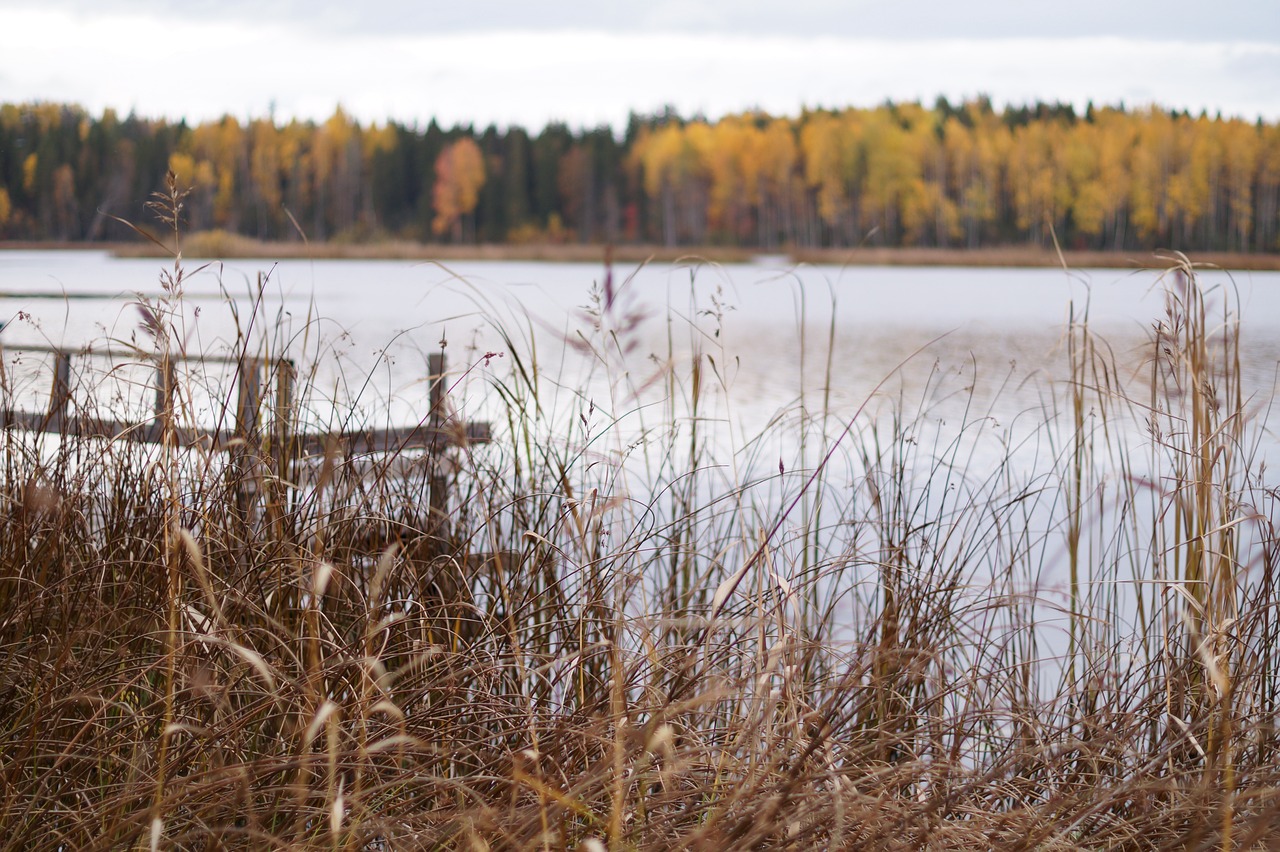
249 431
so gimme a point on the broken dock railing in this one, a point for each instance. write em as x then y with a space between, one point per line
251 436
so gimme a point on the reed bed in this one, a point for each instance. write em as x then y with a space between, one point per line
627 639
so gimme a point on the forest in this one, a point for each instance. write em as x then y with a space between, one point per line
899 174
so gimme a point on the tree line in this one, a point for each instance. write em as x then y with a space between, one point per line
963 175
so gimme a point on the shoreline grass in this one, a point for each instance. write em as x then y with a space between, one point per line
630 638
221 245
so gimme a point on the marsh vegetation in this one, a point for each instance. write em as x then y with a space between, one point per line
645 638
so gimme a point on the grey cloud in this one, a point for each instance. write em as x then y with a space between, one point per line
1191 20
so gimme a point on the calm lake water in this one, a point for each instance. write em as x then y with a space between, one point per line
971 365
924 334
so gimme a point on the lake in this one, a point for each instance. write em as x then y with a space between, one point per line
766 326
964 370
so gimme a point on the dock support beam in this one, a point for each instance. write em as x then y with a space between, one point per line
437 530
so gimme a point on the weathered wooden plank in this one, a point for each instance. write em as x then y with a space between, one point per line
139 357
60 396
98 427
365 442
437 484
423 437
436 433
248 400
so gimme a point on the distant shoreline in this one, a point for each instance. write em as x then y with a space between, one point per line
224 246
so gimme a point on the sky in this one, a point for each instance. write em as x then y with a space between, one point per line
593 62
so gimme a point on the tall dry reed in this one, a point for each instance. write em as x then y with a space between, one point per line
641 639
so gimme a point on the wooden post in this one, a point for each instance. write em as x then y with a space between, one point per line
60 396
286 446
249 398
438 501
244 454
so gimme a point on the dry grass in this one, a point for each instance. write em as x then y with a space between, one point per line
223 245
1031 256
861 652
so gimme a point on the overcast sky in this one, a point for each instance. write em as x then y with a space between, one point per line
591 63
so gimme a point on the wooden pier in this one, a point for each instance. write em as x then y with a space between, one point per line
251 437
251 374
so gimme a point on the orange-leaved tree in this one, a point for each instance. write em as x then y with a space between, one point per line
459 176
